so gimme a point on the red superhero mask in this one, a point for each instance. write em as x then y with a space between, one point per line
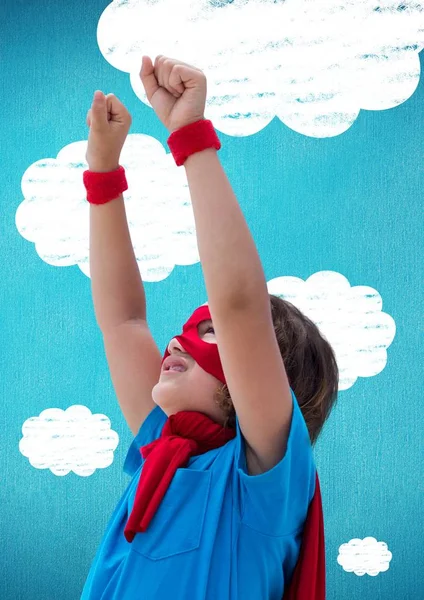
206 355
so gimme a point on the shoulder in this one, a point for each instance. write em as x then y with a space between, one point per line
276 500
298 446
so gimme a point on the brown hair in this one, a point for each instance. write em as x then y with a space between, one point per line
310 365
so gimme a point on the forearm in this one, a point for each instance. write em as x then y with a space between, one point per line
117 288
231 265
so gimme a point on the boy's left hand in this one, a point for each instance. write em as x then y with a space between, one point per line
177 91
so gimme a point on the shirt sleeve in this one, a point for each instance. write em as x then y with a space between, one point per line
276 502
150 430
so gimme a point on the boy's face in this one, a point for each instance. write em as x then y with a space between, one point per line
193 389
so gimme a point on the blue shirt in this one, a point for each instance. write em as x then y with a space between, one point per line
218 533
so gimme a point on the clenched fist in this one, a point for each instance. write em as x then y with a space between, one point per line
177 91
109 123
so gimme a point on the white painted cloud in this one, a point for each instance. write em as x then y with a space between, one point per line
55 213
69 440
314 65
364 557
349 317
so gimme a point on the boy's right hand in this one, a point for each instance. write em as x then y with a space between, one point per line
109 123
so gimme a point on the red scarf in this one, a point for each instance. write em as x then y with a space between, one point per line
184 434
189 434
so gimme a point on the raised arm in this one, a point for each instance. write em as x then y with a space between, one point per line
117 289
235 282
241 313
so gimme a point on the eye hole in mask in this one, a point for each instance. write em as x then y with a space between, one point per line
206 328
203 351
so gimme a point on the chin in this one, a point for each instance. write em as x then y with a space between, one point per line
166 400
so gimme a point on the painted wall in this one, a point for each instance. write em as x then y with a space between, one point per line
319 108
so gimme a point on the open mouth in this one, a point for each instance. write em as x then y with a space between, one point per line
174 364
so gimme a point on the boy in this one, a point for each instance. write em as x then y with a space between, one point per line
213 511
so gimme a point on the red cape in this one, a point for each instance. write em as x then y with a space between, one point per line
308 581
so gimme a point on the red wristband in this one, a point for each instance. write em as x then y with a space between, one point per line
191 139
104 187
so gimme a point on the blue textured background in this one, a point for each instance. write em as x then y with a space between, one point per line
351 204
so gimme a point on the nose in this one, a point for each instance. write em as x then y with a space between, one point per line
174 346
